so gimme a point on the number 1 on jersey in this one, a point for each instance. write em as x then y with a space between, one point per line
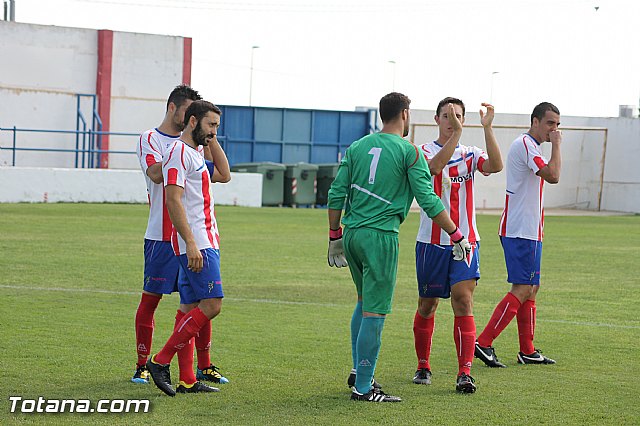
374 163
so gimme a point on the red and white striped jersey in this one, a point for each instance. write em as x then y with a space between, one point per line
523 215
185 167
455 187
152 146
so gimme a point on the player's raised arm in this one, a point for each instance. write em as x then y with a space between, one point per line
155 173
551 172
439 161
494 162
222 172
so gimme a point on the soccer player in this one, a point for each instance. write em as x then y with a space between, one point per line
521 234
195 240
161 267
452 168
377 179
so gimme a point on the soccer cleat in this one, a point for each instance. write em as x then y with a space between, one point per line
351 380
422 377
465 384
374 395
197 387
161 375
141 375
488 356
534 358
211 374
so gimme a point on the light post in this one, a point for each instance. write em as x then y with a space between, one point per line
491 93
253 49
393 71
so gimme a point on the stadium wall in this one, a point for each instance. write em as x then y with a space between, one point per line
52 185
45 67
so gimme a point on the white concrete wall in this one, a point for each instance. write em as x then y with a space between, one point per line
36 185
145 69
44 67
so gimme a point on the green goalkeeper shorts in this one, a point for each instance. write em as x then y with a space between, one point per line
373 262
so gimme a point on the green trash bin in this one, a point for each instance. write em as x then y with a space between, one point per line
272 180
326 175
300 184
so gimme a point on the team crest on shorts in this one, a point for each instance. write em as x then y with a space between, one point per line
211 284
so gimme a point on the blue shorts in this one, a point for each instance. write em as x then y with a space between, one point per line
205 284
437 271
161 267
523 259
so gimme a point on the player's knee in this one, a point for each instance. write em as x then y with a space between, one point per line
427 307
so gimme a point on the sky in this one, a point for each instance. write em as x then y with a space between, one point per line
582 55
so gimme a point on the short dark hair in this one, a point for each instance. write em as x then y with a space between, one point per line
199 109
450 100
182 93
541 109
391 105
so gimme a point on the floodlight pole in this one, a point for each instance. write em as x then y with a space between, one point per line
253 49
393 81
491 93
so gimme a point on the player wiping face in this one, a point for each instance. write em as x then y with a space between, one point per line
206 129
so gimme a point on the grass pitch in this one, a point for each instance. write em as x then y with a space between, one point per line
71 280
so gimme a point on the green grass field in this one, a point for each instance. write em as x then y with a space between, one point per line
71 276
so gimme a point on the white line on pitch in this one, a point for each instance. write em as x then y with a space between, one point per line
286 302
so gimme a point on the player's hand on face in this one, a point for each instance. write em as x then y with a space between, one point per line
194 258
487 118
453 118
555 136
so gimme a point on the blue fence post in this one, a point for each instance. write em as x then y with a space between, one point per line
14 146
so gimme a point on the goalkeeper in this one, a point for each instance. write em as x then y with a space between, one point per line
377 180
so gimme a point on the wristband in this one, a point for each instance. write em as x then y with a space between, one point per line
335 234
210 167
456 235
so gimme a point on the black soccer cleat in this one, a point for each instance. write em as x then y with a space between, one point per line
374 395
534 358
161 375
488 356
422 377
351 380
197 387
211 374
141 375
465 384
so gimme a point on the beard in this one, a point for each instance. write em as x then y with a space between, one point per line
199 136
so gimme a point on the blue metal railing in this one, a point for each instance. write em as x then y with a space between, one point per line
85 155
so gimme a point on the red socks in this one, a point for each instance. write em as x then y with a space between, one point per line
501 317
185 356
187 328
423 335
527 326
144 326
464 334
203 343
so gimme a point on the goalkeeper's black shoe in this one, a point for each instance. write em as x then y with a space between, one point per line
374 395
351 380
197 387
465 384
422 377
488 356
534 358
161 375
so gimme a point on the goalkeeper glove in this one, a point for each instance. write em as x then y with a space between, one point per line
461 247
335 255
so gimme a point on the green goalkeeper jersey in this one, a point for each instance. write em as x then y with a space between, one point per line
377 180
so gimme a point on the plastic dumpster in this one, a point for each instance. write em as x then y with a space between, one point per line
300 184
272 180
